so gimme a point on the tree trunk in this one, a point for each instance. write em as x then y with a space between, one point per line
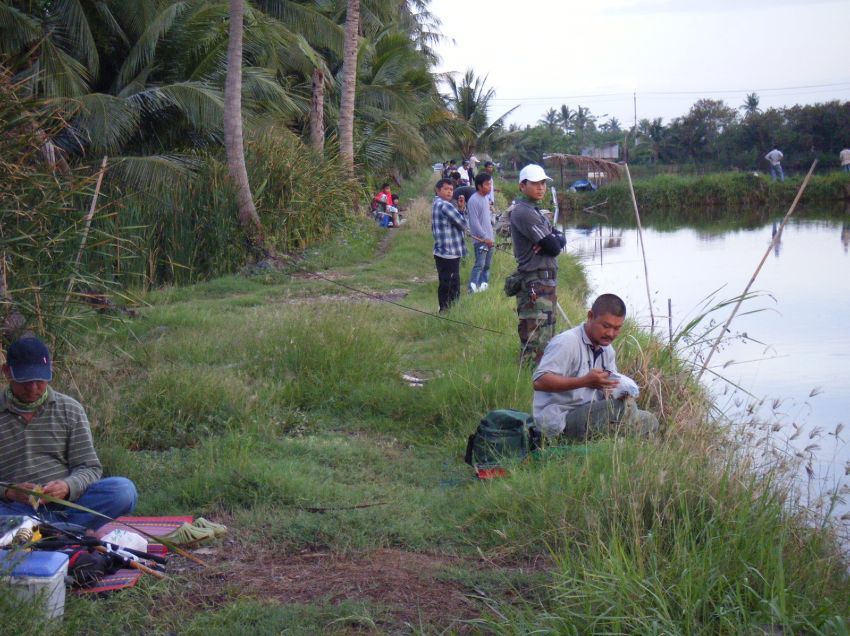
233 143
317 112
349 81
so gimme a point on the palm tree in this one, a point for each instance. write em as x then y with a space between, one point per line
469 101
751 105
233 142
550 120
653 131
326 37
349 86
397 103
584 122
566 118
317 111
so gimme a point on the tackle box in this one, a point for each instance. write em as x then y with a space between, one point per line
36 574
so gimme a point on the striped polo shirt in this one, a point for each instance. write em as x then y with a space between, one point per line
55 444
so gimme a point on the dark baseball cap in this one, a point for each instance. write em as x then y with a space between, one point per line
29 360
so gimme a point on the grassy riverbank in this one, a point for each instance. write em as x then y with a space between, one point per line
721 191
275 404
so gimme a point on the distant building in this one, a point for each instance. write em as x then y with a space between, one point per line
609 151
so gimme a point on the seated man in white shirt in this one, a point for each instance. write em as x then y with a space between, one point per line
576 388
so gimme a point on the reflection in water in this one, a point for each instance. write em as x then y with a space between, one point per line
788 354
776 236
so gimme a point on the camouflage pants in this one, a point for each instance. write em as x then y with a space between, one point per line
609 417
535 308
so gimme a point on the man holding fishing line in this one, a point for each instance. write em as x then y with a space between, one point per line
482 233
47 446
536 249
577 389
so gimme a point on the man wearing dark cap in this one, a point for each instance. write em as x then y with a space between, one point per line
46 445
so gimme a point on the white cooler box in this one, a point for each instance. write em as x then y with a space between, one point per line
37 574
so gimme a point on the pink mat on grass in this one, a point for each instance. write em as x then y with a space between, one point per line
157 526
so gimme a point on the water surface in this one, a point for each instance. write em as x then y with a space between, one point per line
789 348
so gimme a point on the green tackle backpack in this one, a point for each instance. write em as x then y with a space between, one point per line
501 434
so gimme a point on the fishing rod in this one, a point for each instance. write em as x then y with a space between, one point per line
74 535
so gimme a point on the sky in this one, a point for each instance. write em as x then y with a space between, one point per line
655 57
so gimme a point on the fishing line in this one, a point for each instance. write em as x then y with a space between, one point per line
392 302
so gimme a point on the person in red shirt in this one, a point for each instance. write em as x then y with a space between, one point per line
383 200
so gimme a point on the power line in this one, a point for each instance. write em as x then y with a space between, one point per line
671 93
380 298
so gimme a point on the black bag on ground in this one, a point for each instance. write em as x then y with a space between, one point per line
87 567
501 434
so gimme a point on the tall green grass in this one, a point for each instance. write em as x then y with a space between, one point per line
667 538
42 224
260 404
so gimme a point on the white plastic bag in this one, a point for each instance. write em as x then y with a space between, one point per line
626 387
127 539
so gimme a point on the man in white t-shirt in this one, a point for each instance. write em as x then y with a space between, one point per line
774 157
844 157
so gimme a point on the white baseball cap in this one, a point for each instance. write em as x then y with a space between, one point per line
532 172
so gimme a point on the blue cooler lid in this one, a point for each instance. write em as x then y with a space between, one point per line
36 563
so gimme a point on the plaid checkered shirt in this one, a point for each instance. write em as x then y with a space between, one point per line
448 227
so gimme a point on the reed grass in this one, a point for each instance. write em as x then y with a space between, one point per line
719 191
186 230
42 225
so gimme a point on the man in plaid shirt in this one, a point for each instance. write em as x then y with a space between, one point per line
448 227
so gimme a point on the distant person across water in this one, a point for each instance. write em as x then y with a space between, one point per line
47 446
774 158
844 157
578 391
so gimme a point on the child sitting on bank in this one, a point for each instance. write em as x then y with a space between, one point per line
394 211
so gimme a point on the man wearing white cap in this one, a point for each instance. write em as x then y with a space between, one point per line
536 249
47 446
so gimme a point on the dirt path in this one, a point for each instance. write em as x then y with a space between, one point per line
411 587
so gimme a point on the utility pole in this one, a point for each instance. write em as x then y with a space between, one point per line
633 131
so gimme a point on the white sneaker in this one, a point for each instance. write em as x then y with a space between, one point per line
473 288
483 287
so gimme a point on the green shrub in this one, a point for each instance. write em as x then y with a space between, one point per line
186 230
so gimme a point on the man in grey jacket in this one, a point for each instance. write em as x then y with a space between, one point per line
536 248
481 229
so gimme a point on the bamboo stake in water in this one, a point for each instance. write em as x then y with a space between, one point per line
743 295
85 231
670 319
642 250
